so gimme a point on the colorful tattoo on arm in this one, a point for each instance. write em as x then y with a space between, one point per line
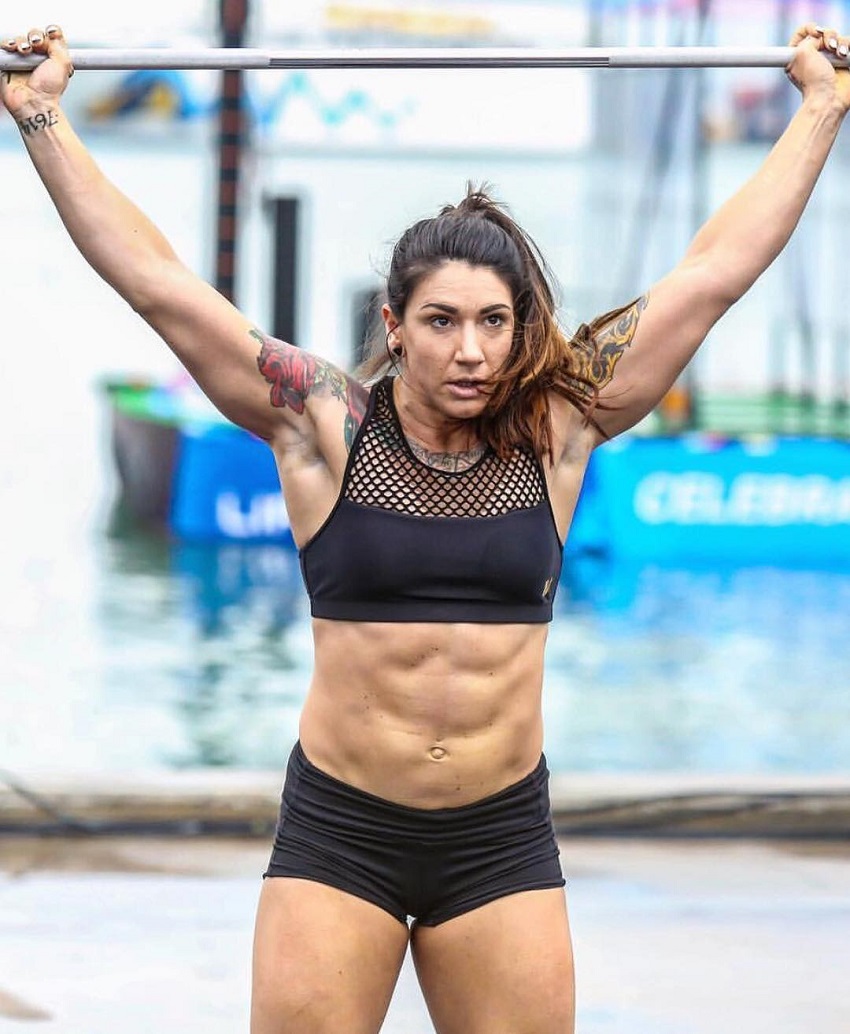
356 399
295 374
599 348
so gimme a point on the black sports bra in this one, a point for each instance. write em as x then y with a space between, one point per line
408 542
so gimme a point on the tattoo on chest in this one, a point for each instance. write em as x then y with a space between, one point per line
32 124
454 462
294 375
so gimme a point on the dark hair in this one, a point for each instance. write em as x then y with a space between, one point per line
542 359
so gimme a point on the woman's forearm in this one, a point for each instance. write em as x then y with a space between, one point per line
113 235
747 232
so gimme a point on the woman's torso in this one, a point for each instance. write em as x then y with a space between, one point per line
434 713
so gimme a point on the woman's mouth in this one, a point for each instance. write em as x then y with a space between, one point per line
465 389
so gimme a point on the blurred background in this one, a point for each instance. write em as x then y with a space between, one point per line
151 610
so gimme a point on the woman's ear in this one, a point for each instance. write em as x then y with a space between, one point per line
391 324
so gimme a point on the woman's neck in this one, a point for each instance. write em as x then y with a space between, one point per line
450 461
437 440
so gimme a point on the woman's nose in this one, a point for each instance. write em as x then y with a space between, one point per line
470 347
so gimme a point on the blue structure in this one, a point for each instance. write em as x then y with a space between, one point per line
225 487
698 497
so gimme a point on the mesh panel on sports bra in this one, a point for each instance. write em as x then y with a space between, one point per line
386 475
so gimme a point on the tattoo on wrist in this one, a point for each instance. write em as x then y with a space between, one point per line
43 120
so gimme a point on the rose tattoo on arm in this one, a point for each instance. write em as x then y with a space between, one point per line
294 374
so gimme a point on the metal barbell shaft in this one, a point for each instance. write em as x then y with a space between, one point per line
577 57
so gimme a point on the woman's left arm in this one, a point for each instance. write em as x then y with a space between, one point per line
648 345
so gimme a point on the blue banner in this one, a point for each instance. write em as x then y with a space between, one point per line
226 487
777 500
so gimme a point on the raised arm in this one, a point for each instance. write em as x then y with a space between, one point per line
272 388
639 354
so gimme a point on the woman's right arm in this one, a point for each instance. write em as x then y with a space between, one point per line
272 388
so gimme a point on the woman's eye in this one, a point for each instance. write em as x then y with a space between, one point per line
440 321
497 321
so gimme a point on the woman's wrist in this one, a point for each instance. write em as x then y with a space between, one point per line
823 100
37 118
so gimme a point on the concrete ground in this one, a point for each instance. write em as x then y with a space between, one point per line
131 935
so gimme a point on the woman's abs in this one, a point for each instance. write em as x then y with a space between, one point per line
426 715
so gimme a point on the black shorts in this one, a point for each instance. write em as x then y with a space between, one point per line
432 865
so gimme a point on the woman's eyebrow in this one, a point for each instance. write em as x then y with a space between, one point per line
453 310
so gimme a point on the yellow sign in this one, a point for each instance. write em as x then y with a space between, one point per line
407 21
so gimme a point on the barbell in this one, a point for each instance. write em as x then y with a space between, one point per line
578 57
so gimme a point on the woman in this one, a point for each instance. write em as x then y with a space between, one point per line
430 509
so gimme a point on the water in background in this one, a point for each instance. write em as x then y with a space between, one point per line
150 655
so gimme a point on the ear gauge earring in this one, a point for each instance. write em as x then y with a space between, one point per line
395 351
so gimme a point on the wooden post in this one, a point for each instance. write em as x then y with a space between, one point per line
233 19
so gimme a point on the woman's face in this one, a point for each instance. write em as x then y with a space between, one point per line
456 333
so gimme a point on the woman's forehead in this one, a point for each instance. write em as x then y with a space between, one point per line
461 280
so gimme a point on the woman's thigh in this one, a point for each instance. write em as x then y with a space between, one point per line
504 968
324 960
